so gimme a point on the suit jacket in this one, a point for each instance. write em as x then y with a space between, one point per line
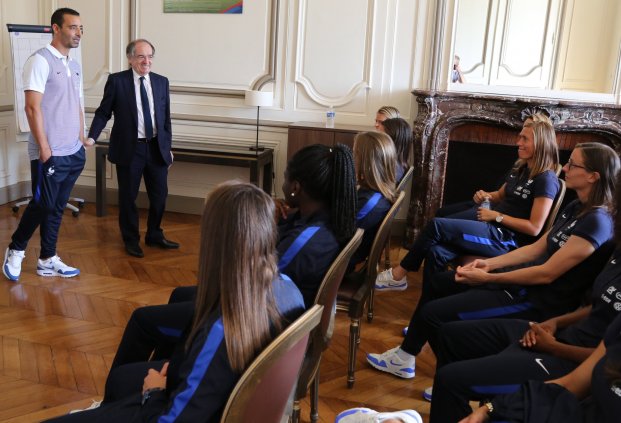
119 98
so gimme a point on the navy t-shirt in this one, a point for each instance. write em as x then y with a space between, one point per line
311 263
595 226
605 307
369 221
520 193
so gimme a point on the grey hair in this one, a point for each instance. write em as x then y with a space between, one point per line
131 47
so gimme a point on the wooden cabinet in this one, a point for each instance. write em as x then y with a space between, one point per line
302 134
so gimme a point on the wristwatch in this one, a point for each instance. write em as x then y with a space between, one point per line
500 217
147 394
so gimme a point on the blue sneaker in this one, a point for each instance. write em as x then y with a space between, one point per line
12 266
427 393
405 331
386 282
390 362
54 266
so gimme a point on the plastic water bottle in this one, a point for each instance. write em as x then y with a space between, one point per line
486 204
330 114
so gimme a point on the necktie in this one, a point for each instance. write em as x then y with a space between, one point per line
146 112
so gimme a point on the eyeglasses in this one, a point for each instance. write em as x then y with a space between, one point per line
571 165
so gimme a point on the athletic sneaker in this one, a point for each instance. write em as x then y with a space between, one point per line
12 266
54 266
405 331
93 406
427 393
366 415
390 362
386 282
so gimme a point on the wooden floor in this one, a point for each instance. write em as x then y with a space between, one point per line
58 336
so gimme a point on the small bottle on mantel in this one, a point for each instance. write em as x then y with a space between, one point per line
330 114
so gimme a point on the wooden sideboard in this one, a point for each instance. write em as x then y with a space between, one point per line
302 134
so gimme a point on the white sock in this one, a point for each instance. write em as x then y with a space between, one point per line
404 355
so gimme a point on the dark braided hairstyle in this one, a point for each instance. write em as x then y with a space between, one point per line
400 132
327 174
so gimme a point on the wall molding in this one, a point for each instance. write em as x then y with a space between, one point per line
260 80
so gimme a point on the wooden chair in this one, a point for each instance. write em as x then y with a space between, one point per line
357 288
262 392
400 188
320 338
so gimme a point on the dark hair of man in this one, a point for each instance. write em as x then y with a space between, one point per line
399 130
131 47
604 160
327 175
237 265
58 17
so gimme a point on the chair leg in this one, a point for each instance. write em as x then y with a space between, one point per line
370 306
354 336
295 413
314 416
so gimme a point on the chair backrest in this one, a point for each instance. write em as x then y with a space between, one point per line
326 296
383 232
262 392
556 206
406 178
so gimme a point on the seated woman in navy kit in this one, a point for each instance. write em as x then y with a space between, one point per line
239 309
520 209
560 266
478 359
558 400
320 183
374 157
401 134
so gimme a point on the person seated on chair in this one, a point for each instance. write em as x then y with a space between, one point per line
320 183
400 132
520 209
479 359
383 113
559 400
375 158
536 282
238 311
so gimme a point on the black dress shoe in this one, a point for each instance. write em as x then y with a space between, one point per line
134 250
163 243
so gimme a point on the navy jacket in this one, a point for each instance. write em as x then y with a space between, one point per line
119 98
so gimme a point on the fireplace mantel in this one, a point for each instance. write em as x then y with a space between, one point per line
440 112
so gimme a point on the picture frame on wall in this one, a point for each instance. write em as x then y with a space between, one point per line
204 6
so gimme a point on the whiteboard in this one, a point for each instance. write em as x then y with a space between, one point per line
25 40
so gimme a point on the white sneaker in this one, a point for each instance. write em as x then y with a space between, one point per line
427 393
54 266
390 362
93 406
366 415
12 266
386 282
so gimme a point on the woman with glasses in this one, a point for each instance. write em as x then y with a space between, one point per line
518 212
535 282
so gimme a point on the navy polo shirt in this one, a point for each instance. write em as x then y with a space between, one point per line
312 262
370 222
595 226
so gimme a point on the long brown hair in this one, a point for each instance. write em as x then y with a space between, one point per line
604 160
375 158
237 264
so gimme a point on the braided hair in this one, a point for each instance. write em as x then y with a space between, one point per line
327 175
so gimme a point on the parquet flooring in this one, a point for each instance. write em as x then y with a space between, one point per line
58 336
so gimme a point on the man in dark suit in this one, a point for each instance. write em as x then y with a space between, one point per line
139 143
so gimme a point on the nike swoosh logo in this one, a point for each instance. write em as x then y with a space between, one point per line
540 362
